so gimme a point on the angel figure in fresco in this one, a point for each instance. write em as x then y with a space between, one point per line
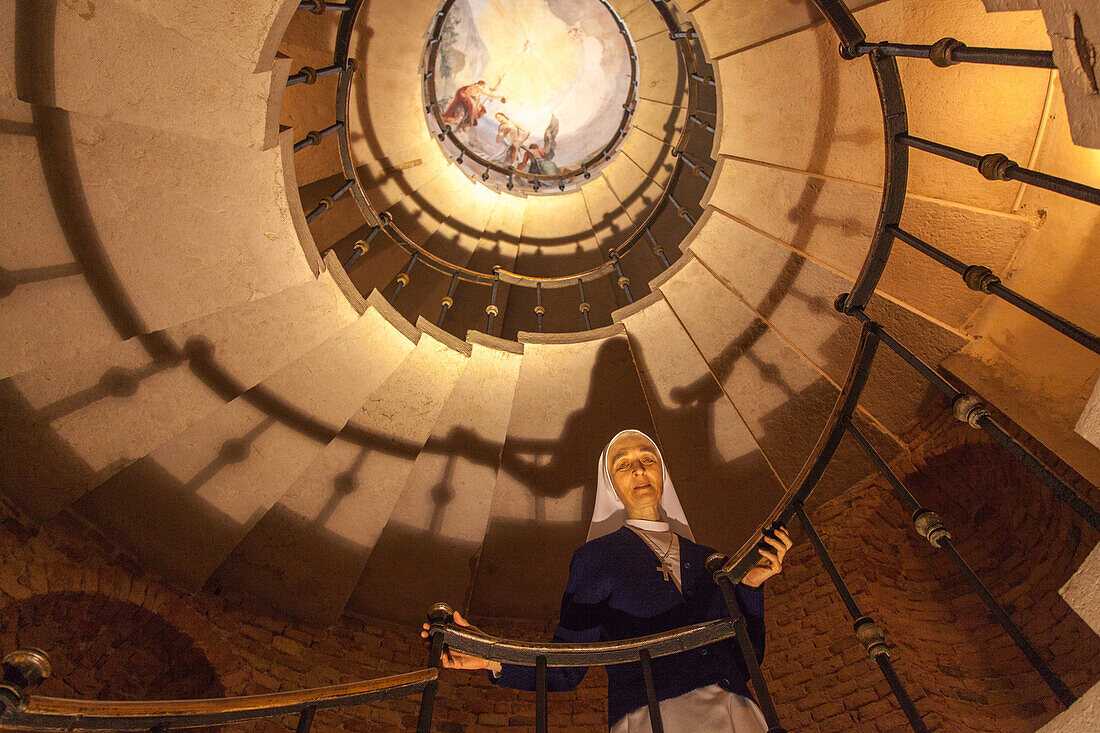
514 135
468 105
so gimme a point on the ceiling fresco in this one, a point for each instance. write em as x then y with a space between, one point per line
534 85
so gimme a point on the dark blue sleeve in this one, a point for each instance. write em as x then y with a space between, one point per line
579 622
751 603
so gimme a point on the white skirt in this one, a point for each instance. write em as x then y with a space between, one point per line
709 709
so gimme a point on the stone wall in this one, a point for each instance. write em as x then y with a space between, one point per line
112 631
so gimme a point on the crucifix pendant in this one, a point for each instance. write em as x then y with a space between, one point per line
663 568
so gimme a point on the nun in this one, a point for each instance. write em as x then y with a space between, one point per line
641 573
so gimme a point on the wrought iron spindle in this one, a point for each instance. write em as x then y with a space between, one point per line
541 703
969 409
403 278
680 210
744 645
328 202
448 300
656 724
998 167
624 281
658 250
309 75
360 248
491 309
869 634
438 618
983 280
708 80
318 7
540 311
316 136
695 167
705 125
948 52
584 306
929 526
305 720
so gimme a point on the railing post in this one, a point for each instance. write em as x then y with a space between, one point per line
316 136
540 311
328 202
584 306
744 645
448 300
541 705
680 210
305 720
491 309
657 249
403 278
624 281
22 668
868 633
438 617
656 724
361 248
929 526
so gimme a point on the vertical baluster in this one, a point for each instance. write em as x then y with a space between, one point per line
584 307
361 248
655 723
438 618
681 211
541 712
448 300
305 720
327 202
867 631
624 281
403 278
748 654
491 309
928 525
657 249
540 311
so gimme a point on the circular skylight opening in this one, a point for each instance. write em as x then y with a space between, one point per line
529 96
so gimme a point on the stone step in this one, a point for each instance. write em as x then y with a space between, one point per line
120 230
794 295
73 424
783 398
643 21
660 74
245 34
183 508
574 392
823 115
710 452
438 523
121 66
338 503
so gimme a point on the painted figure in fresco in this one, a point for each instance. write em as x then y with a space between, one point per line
468 105
514 135
540 159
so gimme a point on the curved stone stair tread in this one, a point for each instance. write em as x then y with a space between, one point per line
644 21
245 34
71 425
557 226
687 402
609 217
660 76
183 88
660 120
632 187
757 22
795 296
182 509
124 230
573 393
832 221
823 114
449 197
625 7
651 155
392 180
337 506
428 548
783 398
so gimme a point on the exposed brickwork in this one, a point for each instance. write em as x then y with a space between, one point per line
114 632
962 670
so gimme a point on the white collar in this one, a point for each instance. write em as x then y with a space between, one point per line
648 525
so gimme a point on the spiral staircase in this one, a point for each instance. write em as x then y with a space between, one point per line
244 352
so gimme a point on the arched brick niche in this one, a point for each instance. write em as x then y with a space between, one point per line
105 648
961 668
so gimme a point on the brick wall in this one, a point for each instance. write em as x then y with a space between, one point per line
112 631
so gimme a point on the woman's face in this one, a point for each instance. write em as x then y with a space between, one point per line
635 470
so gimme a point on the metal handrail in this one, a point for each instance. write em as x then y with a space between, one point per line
538 178
427 258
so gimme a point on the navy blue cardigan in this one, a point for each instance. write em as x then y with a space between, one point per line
616 592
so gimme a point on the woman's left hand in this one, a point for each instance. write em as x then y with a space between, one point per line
771 562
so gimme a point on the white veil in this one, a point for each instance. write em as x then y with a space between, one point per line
609 513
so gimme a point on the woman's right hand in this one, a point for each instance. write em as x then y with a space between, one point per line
458 660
